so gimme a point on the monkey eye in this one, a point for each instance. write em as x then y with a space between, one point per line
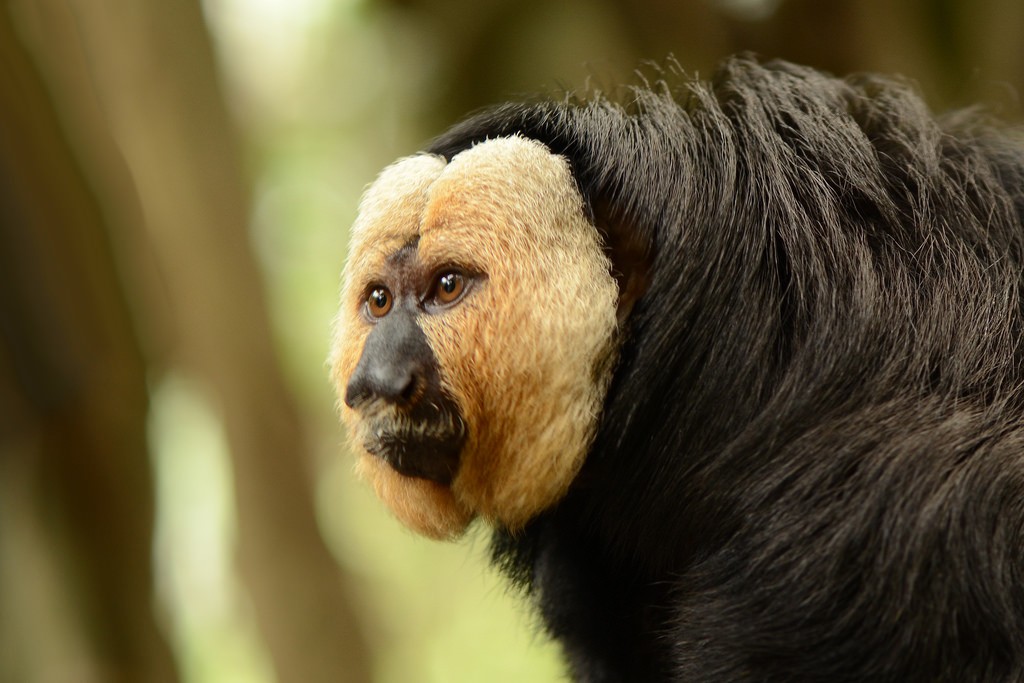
447 287
379 301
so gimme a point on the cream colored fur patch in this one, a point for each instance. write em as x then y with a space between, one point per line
526 355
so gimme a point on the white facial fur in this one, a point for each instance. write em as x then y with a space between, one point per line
526 355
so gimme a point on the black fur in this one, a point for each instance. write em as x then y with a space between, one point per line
811 461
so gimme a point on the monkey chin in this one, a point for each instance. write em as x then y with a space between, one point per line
425 506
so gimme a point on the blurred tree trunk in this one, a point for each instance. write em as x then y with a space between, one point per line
145 70
76 498
959 51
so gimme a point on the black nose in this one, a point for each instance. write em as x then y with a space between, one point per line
394 365
394 382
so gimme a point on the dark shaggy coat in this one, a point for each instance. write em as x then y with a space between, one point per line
811 461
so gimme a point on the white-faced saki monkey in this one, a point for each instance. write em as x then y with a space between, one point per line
734 370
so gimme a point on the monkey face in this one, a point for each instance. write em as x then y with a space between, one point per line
476 335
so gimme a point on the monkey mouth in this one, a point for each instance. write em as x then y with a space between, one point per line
422 448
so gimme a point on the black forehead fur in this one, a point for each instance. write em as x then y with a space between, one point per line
818 410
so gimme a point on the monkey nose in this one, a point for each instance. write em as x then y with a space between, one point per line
394 383
396 366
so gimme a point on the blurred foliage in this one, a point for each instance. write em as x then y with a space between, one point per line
199 165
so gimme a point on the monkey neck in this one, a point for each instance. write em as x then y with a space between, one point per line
590 598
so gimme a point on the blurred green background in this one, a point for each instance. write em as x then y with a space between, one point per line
177 178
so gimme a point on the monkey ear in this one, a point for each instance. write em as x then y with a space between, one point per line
629 250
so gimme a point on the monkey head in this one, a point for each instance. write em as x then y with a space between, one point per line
476 335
